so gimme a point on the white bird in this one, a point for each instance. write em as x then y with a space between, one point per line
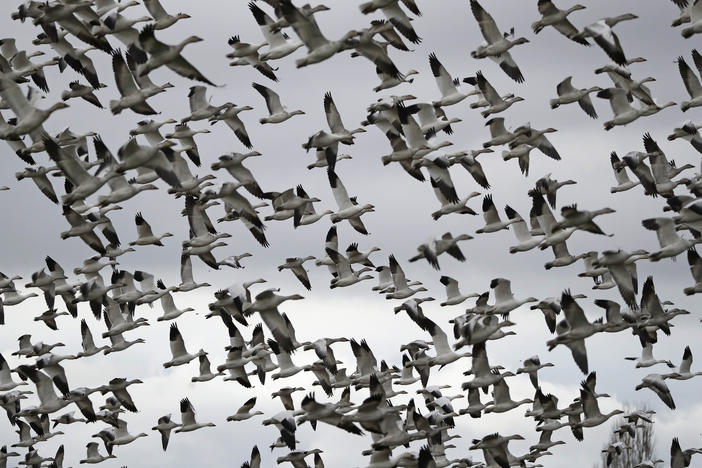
179 354
276 111
646 359
453 294
244 412
497 45
187 416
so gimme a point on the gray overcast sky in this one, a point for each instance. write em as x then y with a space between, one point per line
401 222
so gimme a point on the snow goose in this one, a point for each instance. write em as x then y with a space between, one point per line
6 382
521 232
49 401
278 44
563 256
164 426
161 54
38 175
345 275
118 343
322 153
200 108
444 244
581 219
574 329
683 372
284 421
493 223
624 113
87 342
349 209
295 264
75 58
690 132
499 133
496 103
121 190
433 120
145 234
180 355
230 116
13 297
439 172
187 415
67 418
84 184
646 359
93 455
537 138
402 289
234 261
616 319
334 121
447 86
358 257
244 412
78 90
119 26
497 45
447 207
118 322
635 161
407 377
531 367
603 35
552 16
319 48
504 299
162 19
695 12
568 94
121 436
170 311
414 135
133 155
133 94
205 374
469 160
453 294
661 168
502 400
623 181
414 310
233 163
29 118
185 136
389 81
654 107
591 410
483 374
621 78
444 354
395 15
656 383
276 111
32 458
670 242
691 81
328 413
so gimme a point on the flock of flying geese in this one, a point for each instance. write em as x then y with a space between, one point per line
95 184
